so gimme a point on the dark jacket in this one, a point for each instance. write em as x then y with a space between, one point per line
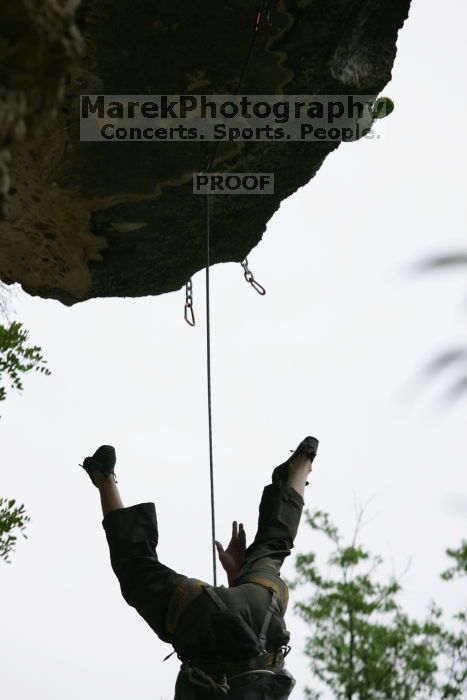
193 633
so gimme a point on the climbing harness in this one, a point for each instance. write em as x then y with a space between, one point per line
235 640
198 677
216 674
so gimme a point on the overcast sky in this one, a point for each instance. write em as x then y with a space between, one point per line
332 350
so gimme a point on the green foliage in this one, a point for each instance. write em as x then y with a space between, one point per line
460 558
455 643
13 519
454 652
362 645
17 358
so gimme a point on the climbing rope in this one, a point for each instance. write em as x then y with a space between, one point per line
263 11
208 360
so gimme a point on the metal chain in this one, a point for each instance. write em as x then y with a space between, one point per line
249 278
189 312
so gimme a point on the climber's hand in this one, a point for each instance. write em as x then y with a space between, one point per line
233 557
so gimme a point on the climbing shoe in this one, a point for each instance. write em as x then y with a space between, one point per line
103 460
308 447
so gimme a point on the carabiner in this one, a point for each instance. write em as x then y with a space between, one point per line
190 315
257 286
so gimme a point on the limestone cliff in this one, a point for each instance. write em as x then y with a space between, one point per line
82 219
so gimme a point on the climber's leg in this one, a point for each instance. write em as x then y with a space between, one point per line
280 511
279 517
132 534
298 473
109 493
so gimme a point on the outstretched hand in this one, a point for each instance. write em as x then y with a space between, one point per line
233 557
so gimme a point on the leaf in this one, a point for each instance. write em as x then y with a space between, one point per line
17 358
13 519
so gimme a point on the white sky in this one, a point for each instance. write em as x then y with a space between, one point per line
330 351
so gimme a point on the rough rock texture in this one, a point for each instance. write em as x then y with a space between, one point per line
96 219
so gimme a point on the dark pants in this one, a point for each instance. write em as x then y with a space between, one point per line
151 587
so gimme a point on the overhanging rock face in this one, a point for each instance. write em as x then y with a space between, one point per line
85 220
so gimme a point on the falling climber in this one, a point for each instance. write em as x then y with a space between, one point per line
231 641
